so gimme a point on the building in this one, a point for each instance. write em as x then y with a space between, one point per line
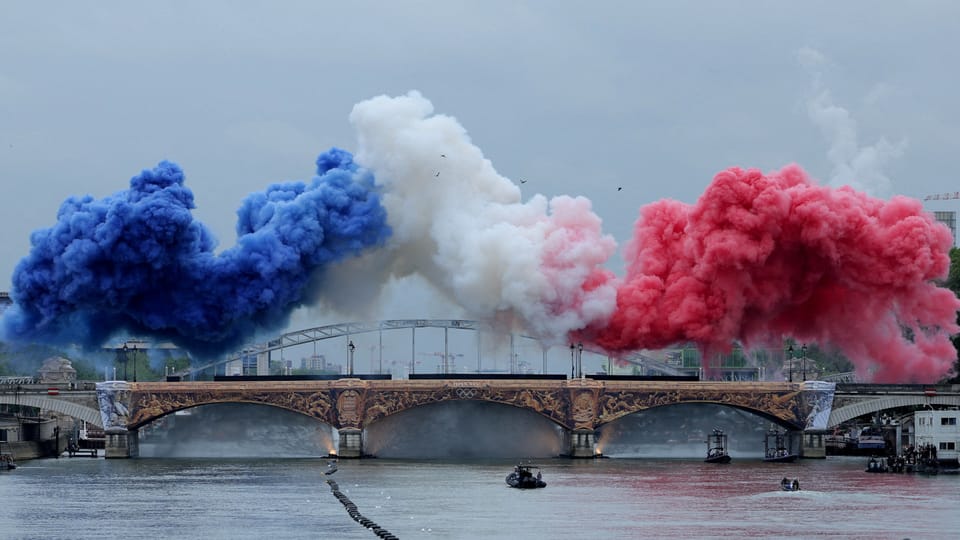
942 430
5 301
948 218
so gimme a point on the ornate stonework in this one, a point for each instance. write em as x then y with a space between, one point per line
352 403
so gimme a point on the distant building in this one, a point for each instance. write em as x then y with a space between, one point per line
57 369
5 301
948 218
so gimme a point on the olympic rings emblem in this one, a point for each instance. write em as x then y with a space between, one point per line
466 393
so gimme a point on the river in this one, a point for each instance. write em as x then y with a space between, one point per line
95 498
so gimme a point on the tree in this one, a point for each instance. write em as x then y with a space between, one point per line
953 283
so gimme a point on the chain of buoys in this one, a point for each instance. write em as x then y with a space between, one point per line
356 515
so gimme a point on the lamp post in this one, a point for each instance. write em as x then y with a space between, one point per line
126 359
580 359
803 362
790 362
573 362
352 347
134 363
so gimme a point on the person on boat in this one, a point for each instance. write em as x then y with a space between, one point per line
796 484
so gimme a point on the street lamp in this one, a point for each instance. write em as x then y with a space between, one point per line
580 359
125 359
352 347
573 362
134 363
790 362
803 361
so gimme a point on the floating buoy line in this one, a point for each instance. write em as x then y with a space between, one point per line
356 515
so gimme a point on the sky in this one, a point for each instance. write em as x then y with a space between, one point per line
623 103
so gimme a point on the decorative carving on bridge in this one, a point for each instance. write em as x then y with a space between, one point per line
148 406
545 402
783 405
349 407
351 403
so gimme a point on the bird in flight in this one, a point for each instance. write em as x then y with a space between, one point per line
620 188
438 173
443 155
522 181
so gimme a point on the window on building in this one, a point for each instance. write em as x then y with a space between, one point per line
3 435
948 446
948 421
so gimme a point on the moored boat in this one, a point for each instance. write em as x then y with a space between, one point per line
775 449
717 447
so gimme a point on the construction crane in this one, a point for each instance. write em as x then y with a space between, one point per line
943 196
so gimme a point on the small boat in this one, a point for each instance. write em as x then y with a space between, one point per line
523 477
6 462
876 466
717 447
775 449
790 484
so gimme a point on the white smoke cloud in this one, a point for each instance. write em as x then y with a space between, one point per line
463 227
860 167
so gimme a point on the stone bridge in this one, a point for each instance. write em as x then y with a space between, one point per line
579 406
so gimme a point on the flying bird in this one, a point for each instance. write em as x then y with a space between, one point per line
438 173
443 155
522 181
620 188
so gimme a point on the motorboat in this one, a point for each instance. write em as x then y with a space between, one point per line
775 449
717 447
526 477
790 484
875 465
6 462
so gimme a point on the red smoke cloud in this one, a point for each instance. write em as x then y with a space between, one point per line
761 257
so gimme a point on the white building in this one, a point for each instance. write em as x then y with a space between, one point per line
942 430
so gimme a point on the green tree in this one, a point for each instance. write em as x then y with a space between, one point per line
953 283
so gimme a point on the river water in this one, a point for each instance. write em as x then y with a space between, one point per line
95 498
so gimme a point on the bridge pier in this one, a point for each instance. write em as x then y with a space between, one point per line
583 443
351 443
122 444
812 444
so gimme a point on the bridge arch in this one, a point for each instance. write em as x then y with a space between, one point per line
788 423
80 412
376 413
157 410
848 412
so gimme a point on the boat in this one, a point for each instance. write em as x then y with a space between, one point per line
6 462
717 447
775 449
790 484
871 438
523 477
875 465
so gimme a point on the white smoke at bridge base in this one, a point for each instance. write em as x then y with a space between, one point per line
236 430
463 430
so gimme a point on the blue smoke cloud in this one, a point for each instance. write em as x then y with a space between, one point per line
137 261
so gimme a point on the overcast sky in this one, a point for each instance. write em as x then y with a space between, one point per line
577 98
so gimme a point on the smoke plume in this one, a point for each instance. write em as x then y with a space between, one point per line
137 261
761 257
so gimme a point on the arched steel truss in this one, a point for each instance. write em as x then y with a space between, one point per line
330 331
